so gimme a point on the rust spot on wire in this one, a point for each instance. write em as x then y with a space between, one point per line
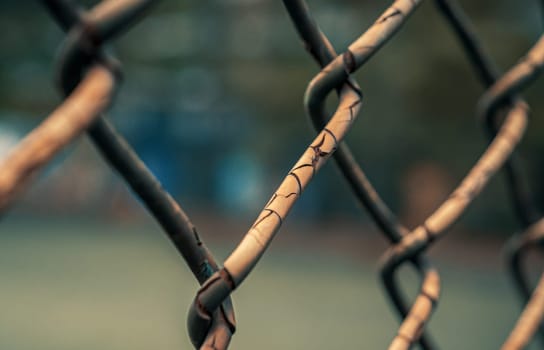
349 62
395 12
226 276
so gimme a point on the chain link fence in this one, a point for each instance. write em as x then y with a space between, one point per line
88 77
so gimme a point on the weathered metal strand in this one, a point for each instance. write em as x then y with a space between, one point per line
167 212
516 249
529 320
96 26
117 152
495 155
69 120
482 64
122 157
524 206
242 260
319 89
422 237
492 159
531 317
421 311
322 51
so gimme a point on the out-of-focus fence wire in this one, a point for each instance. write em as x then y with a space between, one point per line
88 78
531 317
527 212
505 139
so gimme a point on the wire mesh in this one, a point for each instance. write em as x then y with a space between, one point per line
89 77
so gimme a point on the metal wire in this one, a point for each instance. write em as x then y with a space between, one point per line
527 212
122 157
493 158
88 77
531 317
242 260
322 51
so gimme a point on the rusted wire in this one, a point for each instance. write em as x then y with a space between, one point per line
322 51
95 25
242 260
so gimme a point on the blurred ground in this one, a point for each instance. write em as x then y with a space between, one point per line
91 285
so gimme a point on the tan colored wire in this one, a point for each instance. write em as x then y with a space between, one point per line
413 324
529 321
246 255
495 155
532 315
65 123
489 163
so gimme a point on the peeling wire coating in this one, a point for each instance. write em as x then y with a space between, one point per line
322 51
334 75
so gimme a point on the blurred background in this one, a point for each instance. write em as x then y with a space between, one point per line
212 102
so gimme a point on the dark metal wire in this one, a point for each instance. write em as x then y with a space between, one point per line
98 25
